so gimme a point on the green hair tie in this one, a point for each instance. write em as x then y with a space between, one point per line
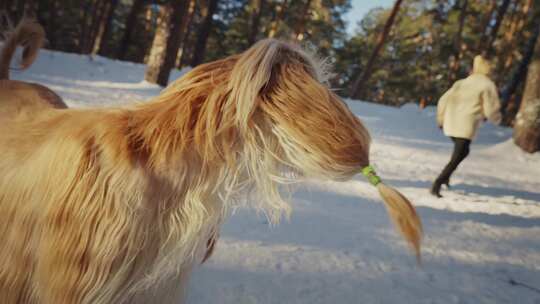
371 175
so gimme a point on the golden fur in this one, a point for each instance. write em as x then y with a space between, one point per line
18 96
115 205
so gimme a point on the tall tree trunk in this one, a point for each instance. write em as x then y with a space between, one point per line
184 8
510 102
166 42
104 27
101 10
202 36
131 22
84 13
257 7
150 24
90 21
159 45
186 26
458 47
51 27
359 84
525 10
279 14
300 27
516 26
510 43
53 24
484 25
186 51
182 56
527 126
488 50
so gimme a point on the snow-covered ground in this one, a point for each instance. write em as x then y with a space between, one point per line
482 240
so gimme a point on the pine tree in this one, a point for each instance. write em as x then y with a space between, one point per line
527 125
501 12
166 42
458 48
90 26
510 95
104 27
358 85
277 18
256 7
52 24
298 33
126 40
186 26
484 25
202 36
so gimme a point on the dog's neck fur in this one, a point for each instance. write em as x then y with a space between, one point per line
187 119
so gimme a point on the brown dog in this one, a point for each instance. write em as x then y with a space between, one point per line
115 205
18 96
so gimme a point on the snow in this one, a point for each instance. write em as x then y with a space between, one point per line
482 239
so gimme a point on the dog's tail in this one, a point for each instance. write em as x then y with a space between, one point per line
28 34
400 210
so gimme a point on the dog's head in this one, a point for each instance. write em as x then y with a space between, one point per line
263 111
278 87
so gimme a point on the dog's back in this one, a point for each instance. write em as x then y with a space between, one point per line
19 96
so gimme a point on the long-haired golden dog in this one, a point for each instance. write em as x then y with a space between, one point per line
18 96
116 205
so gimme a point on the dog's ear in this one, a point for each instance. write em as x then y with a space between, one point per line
252 74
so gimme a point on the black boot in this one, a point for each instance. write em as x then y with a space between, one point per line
436 189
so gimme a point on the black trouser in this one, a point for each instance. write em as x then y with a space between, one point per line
461 150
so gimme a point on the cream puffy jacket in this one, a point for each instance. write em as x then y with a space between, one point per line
461 109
